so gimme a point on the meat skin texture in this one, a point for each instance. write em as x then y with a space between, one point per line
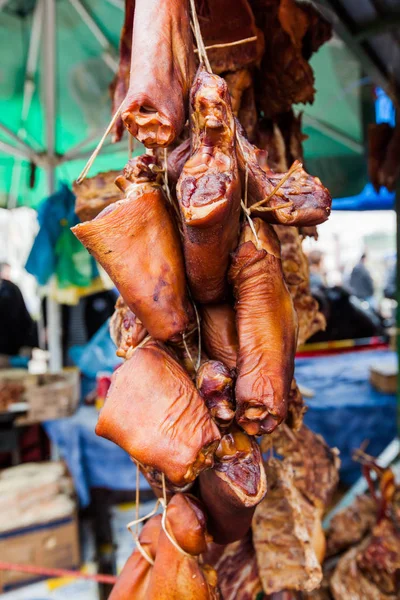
267 330
136 242
162 69
208 190
219 335
232 489
215 383
154 412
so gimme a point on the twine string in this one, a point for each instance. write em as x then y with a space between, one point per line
295 167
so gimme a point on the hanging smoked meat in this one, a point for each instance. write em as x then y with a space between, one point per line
296 408
133 581
161 72
176 161
136 242
155 480
267 330
208 190
379 135
232 489
315 465
219 334
96 193
224 22
237 569
126 330
310 200
119 86
178 575
389 171
154 412
215 383
287 535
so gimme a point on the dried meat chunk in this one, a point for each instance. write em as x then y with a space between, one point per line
149 276
215 383
267 330
208 190
219 334
379 135
161 73
126 330
96 193
232 489
154 412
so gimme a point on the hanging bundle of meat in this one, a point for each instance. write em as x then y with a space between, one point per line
150 276
95 194
162 68
267 330
208 190
154 412
233 488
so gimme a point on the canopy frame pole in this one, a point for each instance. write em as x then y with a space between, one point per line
49 57
29 90
109 50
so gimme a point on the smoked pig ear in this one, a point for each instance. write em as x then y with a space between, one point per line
232 489
267 330
162 69
208 189
133 582
136 242
154 412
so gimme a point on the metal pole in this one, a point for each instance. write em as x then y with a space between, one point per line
49 52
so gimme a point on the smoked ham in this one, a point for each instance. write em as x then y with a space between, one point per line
154 412
177 574
219 334
208 189
136 242
162 69
96 193
126 330
133 581
267 330
232 489
215 383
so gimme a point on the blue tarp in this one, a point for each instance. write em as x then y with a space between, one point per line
369 199
346 410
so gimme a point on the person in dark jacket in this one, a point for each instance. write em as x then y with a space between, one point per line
361 282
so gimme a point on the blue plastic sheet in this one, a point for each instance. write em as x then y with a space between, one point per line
92 460
346 410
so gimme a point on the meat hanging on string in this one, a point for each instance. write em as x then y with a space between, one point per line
136 242
208 190
267 331
154 412
177 573
133 581
162 69
233 488
126 330
304 200
219 334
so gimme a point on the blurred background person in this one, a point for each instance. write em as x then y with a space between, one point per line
361 282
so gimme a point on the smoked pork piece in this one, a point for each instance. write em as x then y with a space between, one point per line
267 330
126 330
296 408
154 478
379 135
232 489
348 582
224 21
237 569
133 581
154 412
119 86
379 561
219 334
187 353
349 526
215 383
179 576
238 82
208 190
248 115
95 193
296 272
136 242
162 69
283 541
389 171
311 200
315 465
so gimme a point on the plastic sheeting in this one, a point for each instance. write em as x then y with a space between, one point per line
346 410
369 199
